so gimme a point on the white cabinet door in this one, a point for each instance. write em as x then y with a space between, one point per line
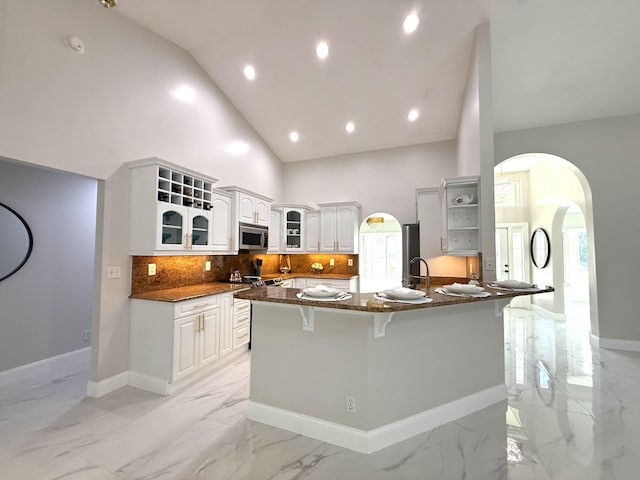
300 283
226 323
275 228
262 212
460 200
328 229
199 233
293 230
173 226
246 208
221 234
209 337
185 346
312 231
347 229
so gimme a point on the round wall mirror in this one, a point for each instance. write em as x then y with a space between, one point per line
540 248
16 241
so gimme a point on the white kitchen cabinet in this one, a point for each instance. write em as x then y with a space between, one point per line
241 322
170 209
287 229
339 227
170 342
226 323
247 207
312 231
221 235
250 207
299 283
288 283
275 229
460 207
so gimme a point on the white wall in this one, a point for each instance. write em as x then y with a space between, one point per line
606 152
475 139
91 113
45 307
381 181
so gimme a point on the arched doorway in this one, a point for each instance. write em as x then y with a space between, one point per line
548 192
380 252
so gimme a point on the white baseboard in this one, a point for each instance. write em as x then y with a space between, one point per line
615 344
108 385
59 365
373 440
149 383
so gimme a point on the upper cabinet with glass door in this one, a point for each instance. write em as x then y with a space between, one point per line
171 209
460 203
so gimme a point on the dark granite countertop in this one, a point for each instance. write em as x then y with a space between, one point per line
366 303
285 276
191 291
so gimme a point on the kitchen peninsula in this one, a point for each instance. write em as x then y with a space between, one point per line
365 374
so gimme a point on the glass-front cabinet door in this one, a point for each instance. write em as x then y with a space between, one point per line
173 227
293 230
200 235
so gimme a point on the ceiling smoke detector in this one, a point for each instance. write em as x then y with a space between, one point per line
108 3
75 43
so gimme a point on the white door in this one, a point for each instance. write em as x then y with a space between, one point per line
173 227
246 209
312 232
226 324
328 230
512 256
346 229
263 210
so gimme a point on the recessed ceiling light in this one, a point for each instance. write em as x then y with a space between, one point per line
185 93
238 147
413 115
411 22
322 50
294 137
350 127
249 72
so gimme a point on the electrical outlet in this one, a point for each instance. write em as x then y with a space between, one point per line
152 269
332 262
350 403
207 266
86 337
350 262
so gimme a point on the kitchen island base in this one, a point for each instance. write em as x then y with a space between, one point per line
430 367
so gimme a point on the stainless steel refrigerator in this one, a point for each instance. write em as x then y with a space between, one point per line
410 249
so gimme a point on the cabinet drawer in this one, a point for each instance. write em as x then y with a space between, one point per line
241 306
240 336
241 319
197 305
332 283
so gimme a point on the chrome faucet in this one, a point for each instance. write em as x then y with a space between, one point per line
426 277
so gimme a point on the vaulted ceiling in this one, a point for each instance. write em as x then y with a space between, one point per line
553 62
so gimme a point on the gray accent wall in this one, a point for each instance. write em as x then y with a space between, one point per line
45 307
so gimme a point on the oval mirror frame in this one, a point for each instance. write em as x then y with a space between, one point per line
24 249
540 248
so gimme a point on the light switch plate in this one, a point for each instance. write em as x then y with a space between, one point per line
489 264
152 269
207 266
332 262
350 262
113 272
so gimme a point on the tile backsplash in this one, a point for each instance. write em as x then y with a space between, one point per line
183 270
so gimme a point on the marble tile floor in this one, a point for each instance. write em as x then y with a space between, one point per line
572 413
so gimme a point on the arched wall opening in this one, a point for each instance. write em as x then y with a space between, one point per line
538 189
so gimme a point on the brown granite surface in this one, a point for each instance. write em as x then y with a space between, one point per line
366 303
191 291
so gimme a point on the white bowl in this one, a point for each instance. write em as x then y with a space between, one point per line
320 291
463 288
401 293
513 284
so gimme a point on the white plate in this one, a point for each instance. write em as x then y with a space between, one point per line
513 284
401 293
321 291
463 288
385 298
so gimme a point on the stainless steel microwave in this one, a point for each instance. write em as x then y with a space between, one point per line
253 237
